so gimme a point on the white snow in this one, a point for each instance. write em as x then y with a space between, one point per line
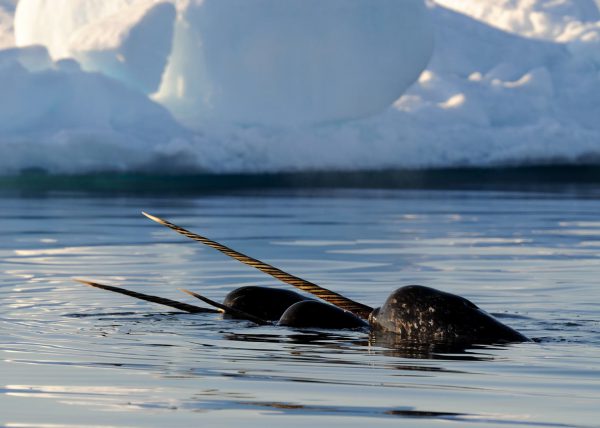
294 61
7 10
510 82
559 20
128 40
60 118
244 61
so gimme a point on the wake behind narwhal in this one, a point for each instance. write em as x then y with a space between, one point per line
415 313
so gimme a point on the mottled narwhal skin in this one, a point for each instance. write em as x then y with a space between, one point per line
425 314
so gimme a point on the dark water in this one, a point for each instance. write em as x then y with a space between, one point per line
73 356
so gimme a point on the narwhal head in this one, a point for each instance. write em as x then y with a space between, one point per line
425 314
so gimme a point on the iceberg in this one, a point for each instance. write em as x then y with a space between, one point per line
57 117
293 62
244 61
7 9
510 82
550 20
125 39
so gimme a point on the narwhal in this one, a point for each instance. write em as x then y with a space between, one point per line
414 312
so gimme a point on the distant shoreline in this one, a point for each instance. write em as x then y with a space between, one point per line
533 178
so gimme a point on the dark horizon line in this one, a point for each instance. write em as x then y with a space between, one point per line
534 177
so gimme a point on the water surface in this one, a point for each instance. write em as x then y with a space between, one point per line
73 356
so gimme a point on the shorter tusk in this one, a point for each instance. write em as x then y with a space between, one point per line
154 299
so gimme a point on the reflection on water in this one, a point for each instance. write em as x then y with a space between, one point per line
294 409
392 345
384 343
75 354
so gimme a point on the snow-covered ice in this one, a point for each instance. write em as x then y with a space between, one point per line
510 82
241 61
60 118
294 61
129 40
559 20
7 10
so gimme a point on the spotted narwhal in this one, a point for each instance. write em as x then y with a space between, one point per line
415 313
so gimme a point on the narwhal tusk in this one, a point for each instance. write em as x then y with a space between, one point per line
336 299
154 299
227 309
